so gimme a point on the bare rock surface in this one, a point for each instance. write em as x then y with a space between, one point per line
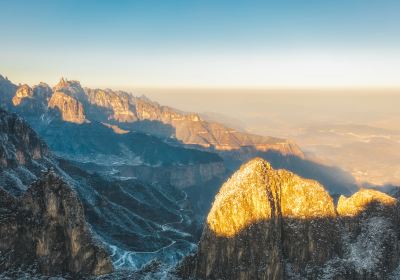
273 224
46 228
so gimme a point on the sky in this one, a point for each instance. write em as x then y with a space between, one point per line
207 43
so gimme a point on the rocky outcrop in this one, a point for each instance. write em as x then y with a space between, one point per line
46 228
32 101
75 104
70 109
71 88
361 201
23 92
42 226
272 224
115 105
370 228
22 154
19 144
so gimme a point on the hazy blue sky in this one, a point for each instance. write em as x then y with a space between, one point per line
297 43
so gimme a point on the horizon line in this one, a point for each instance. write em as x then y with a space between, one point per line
217 87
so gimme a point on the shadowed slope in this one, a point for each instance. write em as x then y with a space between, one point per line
46 227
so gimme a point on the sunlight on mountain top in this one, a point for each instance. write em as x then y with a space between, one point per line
257 192
358 202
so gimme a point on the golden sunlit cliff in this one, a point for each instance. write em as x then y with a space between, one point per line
273 224
71 109
360 201
256 192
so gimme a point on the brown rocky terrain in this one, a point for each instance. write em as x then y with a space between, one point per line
272 224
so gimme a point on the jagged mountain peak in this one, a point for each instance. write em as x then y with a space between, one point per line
273 224
64 82
70 109
144 115
257 192
69 87
23 91
361 200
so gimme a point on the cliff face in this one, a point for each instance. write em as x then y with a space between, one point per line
29 101
7 90
22 154
272 224
70 102
19 144
129 215
75 104
253 220
43 226
71 109
191 129
115 105
46 227
370 228
22 92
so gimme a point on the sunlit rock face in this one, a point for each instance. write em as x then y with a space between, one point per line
46 228
116 105
70 88
23 92
257 217
272 224
75 103
191 129
70 109
361 201
32 101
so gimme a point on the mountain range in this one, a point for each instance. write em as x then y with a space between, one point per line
72 103
102 182
70 107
